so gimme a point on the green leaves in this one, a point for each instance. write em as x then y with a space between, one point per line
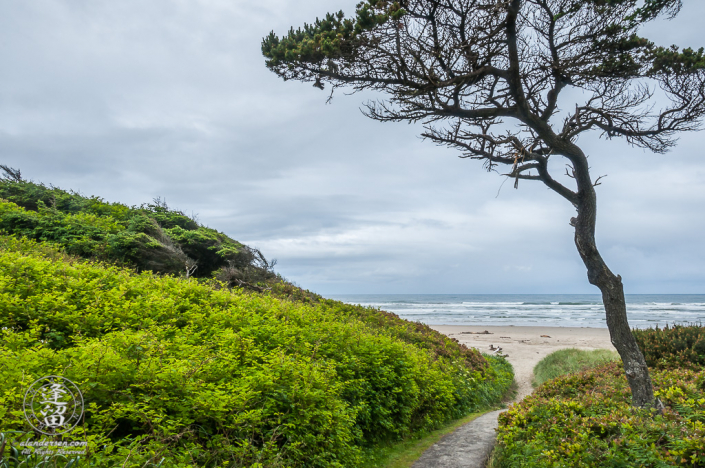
676 346
201 376
586 420
150 237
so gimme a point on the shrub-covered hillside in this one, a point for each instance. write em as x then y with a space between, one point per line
196 374
150 237
676 346
586 419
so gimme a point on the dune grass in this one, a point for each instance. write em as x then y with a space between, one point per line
570 361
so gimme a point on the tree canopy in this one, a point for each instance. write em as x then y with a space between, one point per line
476 62
468 68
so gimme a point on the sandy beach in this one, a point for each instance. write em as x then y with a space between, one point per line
526 346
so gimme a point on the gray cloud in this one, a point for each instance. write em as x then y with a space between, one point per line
133 100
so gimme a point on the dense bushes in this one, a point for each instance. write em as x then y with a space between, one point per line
676 346
586 419
202 376
150 237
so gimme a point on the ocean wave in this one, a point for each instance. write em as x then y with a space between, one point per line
550 310
491 303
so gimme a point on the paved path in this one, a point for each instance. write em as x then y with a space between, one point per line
468 447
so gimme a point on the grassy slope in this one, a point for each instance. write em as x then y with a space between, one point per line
570 361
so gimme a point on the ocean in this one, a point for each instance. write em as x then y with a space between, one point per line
555 310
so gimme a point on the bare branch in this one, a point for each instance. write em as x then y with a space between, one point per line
597 181
10 173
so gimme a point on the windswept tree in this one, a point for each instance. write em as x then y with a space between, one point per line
485 76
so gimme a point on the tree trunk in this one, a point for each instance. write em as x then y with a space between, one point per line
613 298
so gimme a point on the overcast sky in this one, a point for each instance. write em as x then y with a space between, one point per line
132 100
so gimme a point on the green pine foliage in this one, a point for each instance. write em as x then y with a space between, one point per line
333 37
676 346
195 374
335 43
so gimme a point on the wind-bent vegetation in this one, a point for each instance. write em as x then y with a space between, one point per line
182 370
149 237
487 78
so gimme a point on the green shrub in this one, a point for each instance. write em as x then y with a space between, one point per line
150 237
586 420
676 346
570 361
199 375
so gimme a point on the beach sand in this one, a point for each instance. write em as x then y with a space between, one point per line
526 346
